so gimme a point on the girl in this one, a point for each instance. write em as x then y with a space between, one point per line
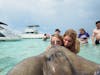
70 41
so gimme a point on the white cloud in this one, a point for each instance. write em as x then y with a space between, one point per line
40 7
46 8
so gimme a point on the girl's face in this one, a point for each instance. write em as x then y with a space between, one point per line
82 32
67 41
56 41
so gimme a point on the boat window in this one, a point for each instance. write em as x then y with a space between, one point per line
29 32
32 32
1 35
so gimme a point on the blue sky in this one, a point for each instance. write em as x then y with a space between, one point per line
50 14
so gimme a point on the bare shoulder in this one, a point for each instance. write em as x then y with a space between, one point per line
95 30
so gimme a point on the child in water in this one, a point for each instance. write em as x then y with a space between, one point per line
70 41
56 40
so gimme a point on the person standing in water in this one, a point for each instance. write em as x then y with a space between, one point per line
57 31
45 37
83 36
96 34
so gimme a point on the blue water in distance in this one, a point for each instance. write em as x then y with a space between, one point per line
12 52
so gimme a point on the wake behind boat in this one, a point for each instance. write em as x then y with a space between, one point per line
32 33
6 34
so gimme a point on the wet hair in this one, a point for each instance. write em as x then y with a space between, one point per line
57 30
97 22
58 36
45 34
71 33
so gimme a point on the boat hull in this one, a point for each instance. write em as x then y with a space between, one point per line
32 36
9 38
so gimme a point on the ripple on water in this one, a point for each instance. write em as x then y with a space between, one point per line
5 63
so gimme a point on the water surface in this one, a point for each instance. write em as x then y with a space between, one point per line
12 52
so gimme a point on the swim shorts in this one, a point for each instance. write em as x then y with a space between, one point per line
97 42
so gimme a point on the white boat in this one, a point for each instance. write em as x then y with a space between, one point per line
6 34
32 33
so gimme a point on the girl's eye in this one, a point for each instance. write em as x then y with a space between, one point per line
67 40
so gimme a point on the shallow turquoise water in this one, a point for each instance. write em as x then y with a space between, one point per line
12 52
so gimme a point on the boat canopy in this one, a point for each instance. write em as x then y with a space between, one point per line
3 23
33 26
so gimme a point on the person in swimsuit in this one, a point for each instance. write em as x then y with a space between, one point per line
83 36
96 34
